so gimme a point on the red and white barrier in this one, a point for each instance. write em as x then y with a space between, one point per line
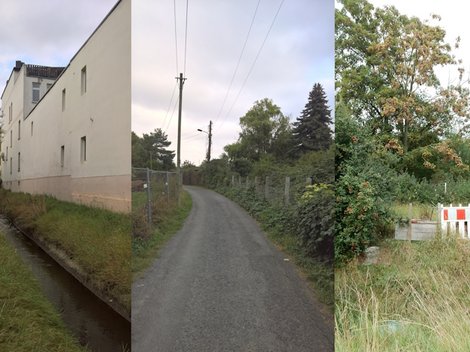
455 219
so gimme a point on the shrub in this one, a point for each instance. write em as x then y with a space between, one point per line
361 213
315 220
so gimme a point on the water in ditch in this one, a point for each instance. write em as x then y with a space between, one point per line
90 319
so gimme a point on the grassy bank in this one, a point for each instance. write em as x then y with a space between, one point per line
415 299
28 321
170 220
276 222
97 240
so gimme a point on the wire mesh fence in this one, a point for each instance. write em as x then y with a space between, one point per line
276 189
153 193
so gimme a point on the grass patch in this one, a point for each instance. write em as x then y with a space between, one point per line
96 239
28 321
415 299
145 250
418 211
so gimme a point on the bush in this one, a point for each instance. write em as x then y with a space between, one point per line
315 220
361 213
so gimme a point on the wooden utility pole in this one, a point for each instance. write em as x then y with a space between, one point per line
178 153
210 142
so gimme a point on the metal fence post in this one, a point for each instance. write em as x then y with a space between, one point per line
266 188
149 200
286 191
168 186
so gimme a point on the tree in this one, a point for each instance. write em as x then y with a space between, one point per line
264 130
385 73
311 130
151 151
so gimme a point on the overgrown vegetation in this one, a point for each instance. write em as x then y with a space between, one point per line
415 299
96 239
28 321
400 135
146 243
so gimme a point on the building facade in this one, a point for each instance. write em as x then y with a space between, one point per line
67 130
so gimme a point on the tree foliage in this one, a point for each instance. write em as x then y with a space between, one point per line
311 131
151 151
265 130
385 72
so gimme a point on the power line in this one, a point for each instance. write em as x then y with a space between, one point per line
169 104
171 117
256 59
176 35
185 38
238 63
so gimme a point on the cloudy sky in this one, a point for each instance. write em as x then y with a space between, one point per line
297 53
46 32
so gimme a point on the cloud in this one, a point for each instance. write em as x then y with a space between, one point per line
46 32
298 53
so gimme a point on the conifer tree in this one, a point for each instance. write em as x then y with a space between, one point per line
311 130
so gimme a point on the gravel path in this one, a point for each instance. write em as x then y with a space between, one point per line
220 285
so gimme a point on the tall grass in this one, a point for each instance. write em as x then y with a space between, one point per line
416 299
96 239
28 321
418 211
147 243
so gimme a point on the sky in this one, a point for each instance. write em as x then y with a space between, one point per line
46 33
454 19
298 52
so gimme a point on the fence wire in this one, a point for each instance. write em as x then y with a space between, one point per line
153 193
276 189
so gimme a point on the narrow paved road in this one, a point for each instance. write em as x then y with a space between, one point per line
219 285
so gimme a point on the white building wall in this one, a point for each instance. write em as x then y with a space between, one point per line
102 114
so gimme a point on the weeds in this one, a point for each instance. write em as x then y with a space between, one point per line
96 239
415 299
28 321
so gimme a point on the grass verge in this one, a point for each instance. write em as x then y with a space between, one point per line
28 321
415 299
418 211
96 239
276 222
145 250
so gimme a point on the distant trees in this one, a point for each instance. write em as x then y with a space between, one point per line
151 151
312 131
265 130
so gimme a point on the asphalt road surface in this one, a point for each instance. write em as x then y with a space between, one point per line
220 285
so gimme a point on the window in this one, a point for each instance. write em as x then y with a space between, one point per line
63 99
11 165
19 156
83 75
62 156
32 126
83 149
6 156
11 138
19 129
36 86
10 112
